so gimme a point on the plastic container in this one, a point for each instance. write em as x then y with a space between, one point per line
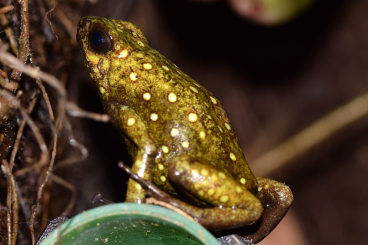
129 223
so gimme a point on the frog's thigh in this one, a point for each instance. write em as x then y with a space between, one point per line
135 129
276 198
217 188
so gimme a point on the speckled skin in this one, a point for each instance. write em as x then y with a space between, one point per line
177 132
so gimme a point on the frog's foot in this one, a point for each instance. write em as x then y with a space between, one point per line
276 198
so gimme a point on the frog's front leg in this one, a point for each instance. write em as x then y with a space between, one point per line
133 127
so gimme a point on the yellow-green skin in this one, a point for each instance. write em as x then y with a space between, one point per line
177 132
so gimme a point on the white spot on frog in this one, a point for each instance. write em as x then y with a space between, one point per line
232 156
174 132
131 121
147 66
192 117
133 76
147 96
172 97
154 117
166 68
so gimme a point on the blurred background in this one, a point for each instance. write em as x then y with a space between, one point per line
274 81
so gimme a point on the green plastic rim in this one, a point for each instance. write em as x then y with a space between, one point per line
130 223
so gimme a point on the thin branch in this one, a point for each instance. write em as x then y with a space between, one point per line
75 111
20 132
35 73
6 9
8 201
15 209
152 200
8 30
23 40
311 136
47 18
74 143
46 98
40 189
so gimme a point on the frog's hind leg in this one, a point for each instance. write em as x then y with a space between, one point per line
232 204
233 207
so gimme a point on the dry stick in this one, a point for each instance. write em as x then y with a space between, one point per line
75 111
45 154
46 98
20 132
40 189
12 205
47 18
152 200
69 186
43 159
15 209
8 201
74 143
6 9
11 177
311 136
23 40
8 30
14 63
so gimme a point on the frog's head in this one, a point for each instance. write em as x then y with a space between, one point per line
106 46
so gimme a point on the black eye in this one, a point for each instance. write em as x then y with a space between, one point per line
100 41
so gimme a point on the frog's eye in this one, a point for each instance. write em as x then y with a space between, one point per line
99 41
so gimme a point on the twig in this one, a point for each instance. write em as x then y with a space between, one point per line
6 9
311 136
47 18
40 189
14 63
75 111
74 143
152 200
20 132
8 201
15 209
8 30
69 186
23 40
46 98
41 142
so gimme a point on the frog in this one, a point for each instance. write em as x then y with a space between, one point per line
184 148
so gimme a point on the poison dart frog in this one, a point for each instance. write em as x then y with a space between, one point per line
178 134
